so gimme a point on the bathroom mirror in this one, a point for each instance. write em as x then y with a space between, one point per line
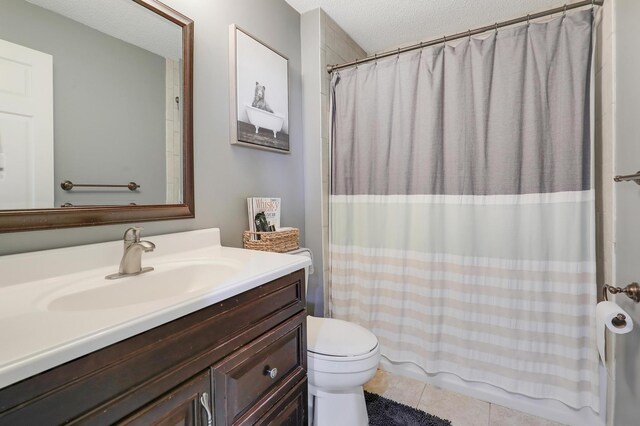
95 113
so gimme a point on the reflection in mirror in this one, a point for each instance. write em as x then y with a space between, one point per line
91 93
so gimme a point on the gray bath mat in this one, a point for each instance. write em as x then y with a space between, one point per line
385 412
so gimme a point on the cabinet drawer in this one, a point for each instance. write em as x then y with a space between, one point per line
243 384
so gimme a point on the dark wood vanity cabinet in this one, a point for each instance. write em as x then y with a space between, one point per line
244 358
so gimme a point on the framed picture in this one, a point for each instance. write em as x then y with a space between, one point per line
259 93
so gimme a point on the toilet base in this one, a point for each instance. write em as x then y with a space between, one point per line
344 407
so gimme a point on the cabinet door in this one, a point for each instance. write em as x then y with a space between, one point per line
290 410
182 406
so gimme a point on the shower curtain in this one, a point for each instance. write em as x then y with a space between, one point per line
462 208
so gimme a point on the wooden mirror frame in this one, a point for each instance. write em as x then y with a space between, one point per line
40 219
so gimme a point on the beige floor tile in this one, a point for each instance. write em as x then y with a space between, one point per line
460 409
379 383
502 416
397 388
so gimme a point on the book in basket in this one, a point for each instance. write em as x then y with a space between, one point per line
270 207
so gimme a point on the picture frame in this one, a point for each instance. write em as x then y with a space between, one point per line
259 93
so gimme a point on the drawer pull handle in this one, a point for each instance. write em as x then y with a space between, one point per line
271 372
204 401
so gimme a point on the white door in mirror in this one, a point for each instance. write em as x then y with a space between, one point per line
26 128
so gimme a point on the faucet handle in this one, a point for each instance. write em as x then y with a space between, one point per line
132 235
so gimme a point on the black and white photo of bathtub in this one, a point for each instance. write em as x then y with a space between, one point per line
265 119
259 93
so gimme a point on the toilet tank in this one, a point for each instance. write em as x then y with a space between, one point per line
308 270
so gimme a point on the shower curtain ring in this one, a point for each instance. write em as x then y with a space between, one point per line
564 12
496 28
528 20
444 38
469 32
398 54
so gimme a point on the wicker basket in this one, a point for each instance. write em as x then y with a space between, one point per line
279 241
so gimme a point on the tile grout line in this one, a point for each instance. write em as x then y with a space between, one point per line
424 389
490 409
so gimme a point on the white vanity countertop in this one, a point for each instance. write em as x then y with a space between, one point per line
38 331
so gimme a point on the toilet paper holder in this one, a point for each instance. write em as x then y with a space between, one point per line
632 291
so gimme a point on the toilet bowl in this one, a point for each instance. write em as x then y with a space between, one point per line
341 358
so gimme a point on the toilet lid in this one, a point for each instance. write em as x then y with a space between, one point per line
333 337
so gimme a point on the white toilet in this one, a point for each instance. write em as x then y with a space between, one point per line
341 358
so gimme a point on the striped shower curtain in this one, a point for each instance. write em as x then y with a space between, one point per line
462 208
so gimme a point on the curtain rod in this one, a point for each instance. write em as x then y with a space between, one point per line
469 33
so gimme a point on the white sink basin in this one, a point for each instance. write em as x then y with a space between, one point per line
175 280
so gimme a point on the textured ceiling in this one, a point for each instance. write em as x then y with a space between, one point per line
378 25
123 20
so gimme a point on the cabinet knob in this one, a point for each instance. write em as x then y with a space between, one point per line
271 372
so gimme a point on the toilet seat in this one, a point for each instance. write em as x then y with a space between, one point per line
342 365
336 339
339 347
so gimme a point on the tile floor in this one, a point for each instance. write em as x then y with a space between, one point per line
460 409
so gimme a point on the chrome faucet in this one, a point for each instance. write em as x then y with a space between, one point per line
131 263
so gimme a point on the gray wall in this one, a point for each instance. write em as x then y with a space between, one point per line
109 106
627 195
310 26
324 42
603 170
224 175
